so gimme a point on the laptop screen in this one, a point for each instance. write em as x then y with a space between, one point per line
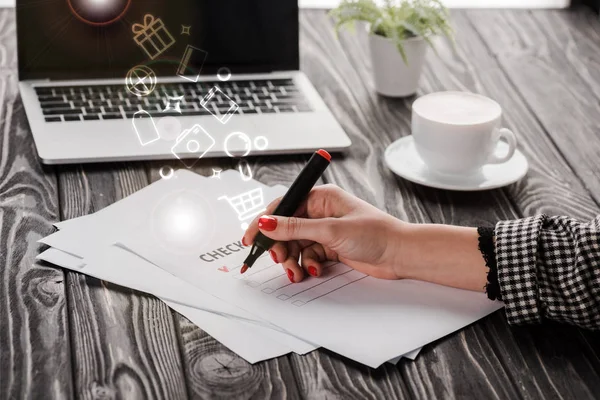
88 39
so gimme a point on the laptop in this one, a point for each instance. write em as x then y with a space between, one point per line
143 80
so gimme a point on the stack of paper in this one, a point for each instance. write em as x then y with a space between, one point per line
180 240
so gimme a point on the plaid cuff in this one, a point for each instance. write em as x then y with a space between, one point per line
569 282
516 256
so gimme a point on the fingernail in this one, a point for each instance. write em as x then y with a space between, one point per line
290 275
244 269
267 223
273 255
312 270
244 242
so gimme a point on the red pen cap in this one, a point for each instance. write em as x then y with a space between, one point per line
324 154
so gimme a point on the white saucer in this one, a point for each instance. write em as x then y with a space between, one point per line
402 158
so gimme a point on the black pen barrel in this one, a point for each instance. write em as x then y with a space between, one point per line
298 192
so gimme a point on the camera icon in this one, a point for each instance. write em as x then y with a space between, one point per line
192 145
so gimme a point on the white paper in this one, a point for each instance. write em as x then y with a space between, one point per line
95 247
363 318
411 355
257 303
246 341
227 332
224 329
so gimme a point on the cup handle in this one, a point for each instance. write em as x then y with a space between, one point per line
511 139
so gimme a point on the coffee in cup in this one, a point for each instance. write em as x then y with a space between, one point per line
459 132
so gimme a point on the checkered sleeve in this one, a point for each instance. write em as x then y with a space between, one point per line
549 268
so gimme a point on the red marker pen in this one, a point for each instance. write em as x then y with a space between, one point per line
290 202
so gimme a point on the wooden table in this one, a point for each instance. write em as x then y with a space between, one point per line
66 335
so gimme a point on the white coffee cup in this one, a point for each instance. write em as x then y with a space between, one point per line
459 132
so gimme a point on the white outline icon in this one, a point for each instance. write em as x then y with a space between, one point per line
220 74
166 176
193 138
245 177
185 63
154 32
135 81
216 173
244 137
264 146
145 136
233 107
173 103
185 29
247 205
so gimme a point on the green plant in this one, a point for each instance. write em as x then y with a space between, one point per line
396 20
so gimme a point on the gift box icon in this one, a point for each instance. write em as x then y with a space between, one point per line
152 36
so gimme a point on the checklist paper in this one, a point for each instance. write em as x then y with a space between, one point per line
93 254
179 239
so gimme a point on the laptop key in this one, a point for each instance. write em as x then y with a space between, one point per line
283 109
92 110
196 113
91 117
53 119
46 99
47 106
41 91
112 110
72 118
112 116
61 111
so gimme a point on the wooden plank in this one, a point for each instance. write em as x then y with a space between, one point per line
568 44
211 369
578 32
124 343
214 371
373 122
34 332
539 63
8 38
473 209
551 186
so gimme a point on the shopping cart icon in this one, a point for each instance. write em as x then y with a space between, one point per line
247 205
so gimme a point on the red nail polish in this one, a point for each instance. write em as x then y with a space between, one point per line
312 270
273 255
267 223
244 242
290 275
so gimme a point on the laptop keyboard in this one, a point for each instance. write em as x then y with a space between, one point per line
103 102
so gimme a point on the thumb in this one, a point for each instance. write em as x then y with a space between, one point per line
292 228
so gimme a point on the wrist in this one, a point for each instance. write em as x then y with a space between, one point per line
407 244
443 254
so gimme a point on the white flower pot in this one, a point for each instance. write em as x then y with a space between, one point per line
393 77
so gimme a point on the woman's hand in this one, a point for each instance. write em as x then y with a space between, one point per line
332 225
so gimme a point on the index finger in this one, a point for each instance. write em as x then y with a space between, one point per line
252 229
